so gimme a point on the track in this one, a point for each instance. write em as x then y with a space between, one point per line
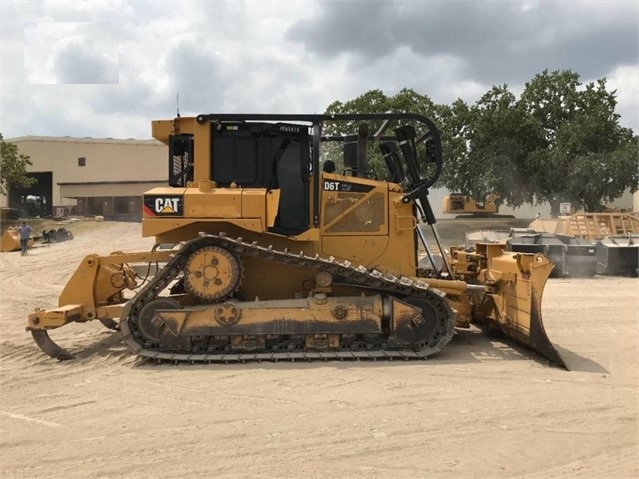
370 280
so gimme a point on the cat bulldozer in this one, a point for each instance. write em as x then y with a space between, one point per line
263 251
460 204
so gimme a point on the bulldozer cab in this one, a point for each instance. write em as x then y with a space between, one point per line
281 154
255 155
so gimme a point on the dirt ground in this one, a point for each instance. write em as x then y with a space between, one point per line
482 408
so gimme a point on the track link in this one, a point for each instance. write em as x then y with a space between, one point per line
358 276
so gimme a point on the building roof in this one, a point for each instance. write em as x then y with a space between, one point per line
86 140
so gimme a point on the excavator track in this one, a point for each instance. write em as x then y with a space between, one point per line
404 288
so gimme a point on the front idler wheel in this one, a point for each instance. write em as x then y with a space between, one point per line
151 325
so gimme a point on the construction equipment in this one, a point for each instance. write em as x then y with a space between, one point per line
574 257
9 213
460 204
261 256
618 255
56 236
593 226
10 241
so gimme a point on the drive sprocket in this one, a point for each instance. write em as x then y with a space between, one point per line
212 273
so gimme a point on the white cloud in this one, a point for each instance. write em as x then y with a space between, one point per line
288 56
71 52
625 79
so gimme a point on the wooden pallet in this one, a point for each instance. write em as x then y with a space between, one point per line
600 225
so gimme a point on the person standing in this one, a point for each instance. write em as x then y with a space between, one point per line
25 233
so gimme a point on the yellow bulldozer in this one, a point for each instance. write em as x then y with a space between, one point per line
263 252
460 204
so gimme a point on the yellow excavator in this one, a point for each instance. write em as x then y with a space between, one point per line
264 252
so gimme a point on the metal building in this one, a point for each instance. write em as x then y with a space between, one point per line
88 176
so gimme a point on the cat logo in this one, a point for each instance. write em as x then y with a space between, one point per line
162 205
166 206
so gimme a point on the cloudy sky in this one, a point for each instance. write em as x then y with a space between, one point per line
107 68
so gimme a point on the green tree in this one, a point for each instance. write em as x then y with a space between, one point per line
375 101
579 153
13 166
455 127
485 148
558 142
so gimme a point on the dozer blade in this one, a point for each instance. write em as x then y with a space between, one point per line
520 307
46 344
538 340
